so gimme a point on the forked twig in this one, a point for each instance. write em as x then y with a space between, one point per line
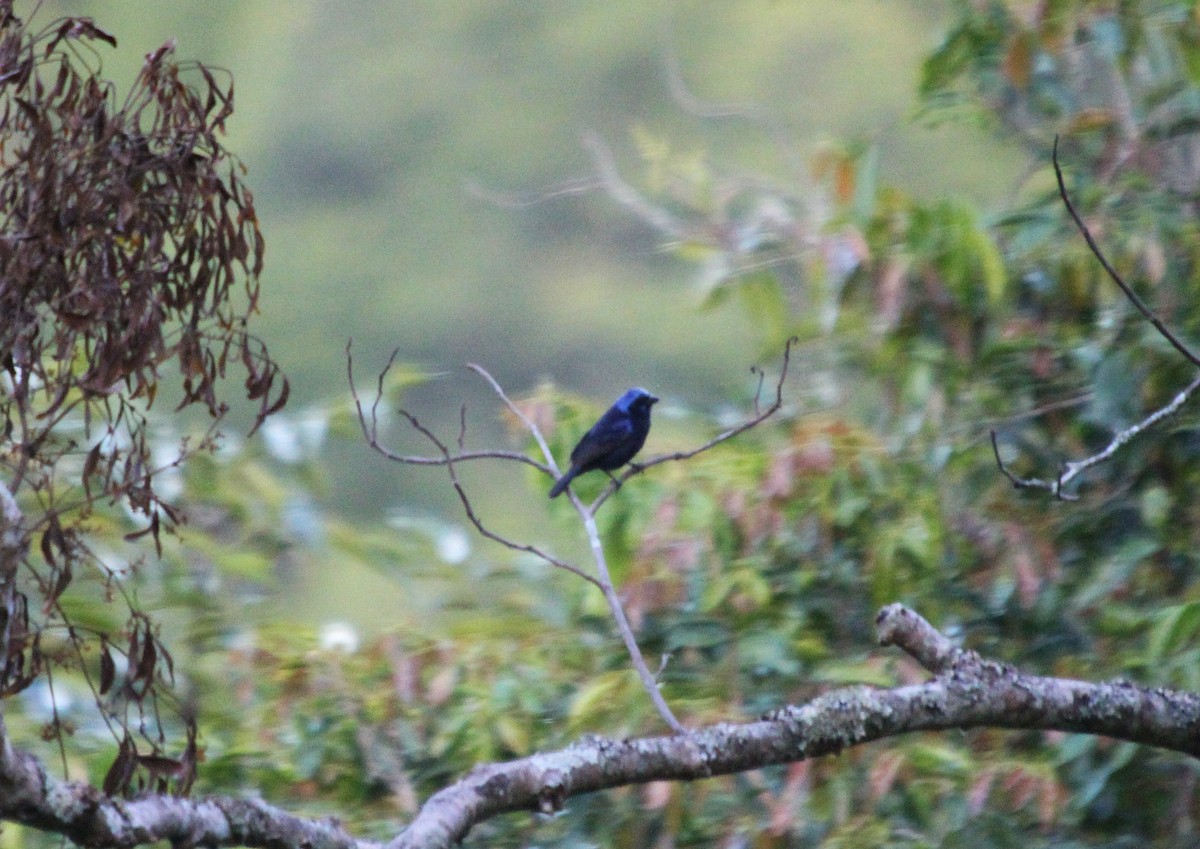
629 197
530 425
370 428
603 579
450 460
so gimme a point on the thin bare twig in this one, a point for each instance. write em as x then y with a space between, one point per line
1073 469
587 514
604 579
1043 409
369 423
449 463
708 110
627 195
525 200
530 425
649 682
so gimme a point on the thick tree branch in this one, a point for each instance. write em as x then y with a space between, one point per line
14 543
31 796
965 691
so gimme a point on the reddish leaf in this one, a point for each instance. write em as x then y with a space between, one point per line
60 585
149 659
108 670
117 779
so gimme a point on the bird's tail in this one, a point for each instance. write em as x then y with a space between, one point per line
561 484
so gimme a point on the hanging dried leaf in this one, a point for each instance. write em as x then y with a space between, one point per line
119 775
131 261
108 669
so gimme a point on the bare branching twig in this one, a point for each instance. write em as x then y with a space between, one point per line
602 580
1070 470
369 422
629 197
370 428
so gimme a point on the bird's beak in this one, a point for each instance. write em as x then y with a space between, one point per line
653 399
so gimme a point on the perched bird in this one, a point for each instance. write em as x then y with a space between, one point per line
613 440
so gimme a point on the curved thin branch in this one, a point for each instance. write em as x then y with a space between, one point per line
370 429
626 195
587 514
1070 470
1112 272
649 680
529 423
449 461
753 113
603 580
526 200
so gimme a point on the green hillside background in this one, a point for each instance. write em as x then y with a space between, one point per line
378 135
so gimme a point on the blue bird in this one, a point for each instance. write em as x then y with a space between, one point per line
613 440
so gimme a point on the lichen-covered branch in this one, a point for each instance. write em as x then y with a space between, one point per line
31 796
964 691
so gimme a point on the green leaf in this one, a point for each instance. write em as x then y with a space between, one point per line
1175 626
697 633
853 672
940 759
866 183
605 697
762 298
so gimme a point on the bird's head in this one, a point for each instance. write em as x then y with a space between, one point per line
636 400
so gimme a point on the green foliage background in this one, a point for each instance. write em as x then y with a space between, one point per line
925 320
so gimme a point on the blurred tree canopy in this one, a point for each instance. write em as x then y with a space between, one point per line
757 567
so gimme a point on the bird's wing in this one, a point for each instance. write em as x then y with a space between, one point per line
606 435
